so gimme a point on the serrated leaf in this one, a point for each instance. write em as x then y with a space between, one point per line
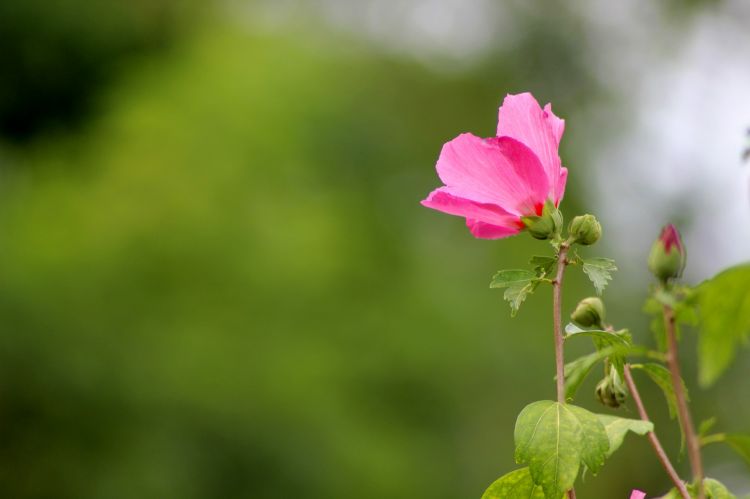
554 439
740 444
518 283
514 484
599 271
724 303
617 428
511 278
542 264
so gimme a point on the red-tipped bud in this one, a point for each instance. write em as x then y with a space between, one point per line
668 257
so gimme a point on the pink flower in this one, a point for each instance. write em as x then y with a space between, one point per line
494 182
637 494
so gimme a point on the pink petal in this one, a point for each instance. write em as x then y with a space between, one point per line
521 118
484 230
561 184
637 494
442 199
556 124
499 171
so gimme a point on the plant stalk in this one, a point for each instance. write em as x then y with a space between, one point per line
562 262
673 362
653 439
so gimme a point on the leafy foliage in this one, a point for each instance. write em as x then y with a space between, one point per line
663 379
661 376
543 264
740 444
599 271
577 370
617 428
518 285
555 439
517 483
617 338
706 426
713 488
685 313
620 339
724 303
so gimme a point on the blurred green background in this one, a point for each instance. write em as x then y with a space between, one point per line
216 280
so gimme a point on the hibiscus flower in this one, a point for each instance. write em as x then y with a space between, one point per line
496 182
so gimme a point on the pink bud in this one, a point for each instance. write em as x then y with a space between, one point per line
670 237
667 258
637 494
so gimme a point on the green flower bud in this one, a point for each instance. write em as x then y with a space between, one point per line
544 226
589 312
611 391
668 257
585 229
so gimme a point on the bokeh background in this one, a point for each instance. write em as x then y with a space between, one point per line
216 280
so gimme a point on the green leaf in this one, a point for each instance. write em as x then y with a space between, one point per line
518 283
684 314
724 303
706 426
554 439
617 428
620 338
663 379
542 264
514 484
599 271
511 278
713 488
603 339
740 444
595 440
577 370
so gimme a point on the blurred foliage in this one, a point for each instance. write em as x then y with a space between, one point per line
56 55
223 285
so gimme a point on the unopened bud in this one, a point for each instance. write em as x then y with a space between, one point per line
668 257
611 391
589 312
585 229
544 226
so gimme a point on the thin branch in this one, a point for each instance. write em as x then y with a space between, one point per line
562 262
652 438
557 320
673 361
